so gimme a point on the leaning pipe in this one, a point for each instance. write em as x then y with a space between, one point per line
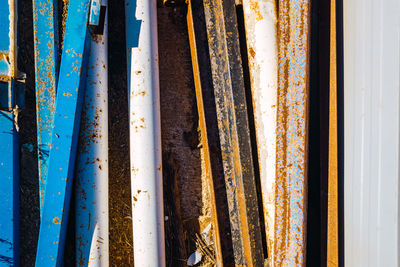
261 36
145 133
91 195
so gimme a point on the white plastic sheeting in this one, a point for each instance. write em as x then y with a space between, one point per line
371 132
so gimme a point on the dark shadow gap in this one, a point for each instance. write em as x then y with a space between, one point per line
340 109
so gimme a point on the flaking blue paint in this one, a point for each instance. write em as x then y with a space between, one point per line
46 62
65 133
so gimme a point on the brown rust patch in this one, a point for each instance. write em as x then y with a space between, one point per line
255 7
56 220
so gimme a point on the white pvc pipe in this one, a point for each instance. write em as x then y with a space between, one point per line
92 241
261 34
145 133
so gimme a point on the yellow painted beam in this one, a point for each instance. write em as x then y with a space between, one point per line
333 238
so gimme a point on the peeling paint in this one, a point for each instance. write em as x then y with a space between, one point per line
292 133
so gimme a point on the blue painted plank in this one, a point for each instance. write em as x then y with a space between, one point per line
9 158
45 43
4 38
9 191
64 137
94 16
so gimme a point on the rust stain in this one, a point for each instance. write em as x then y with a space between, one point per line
204 138
255 7
333 234
56 220
292 133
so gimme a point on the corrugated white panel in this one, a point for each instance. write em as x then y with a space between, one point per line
371 108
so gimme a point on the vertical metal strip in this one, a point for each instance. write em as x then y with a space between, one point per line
261 35
13 15
91 186
204 136
230 102
9 190
45 47
9 145
145 133
70 92
292 133
333 222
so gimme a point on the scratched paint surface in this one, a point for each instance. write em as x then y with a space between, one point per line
9 177
292 125
45 34
9 147
64 138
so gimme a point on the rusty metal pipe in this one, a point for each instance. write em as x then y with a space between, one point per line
91 195
145 133
292 133
261 36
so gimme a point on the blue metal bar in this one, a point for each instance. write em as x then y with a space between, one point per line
4 39
45 42
9 146
64 137
91 184
94 16
9 190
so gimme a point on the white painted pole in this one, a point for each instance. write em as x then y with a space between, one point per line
145 133
260 22
371 132
92 241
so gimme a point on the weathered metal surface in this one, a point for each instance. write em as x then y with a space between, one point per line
46 62
145 133
292 126
261 34
91 195
8 64
333 222
371 132
233 127
64 137
211 125
9 190
94 14
9 145
204 135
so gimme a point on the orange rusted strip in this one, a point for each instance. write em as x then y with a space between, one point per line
292 133
332 236
204 137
